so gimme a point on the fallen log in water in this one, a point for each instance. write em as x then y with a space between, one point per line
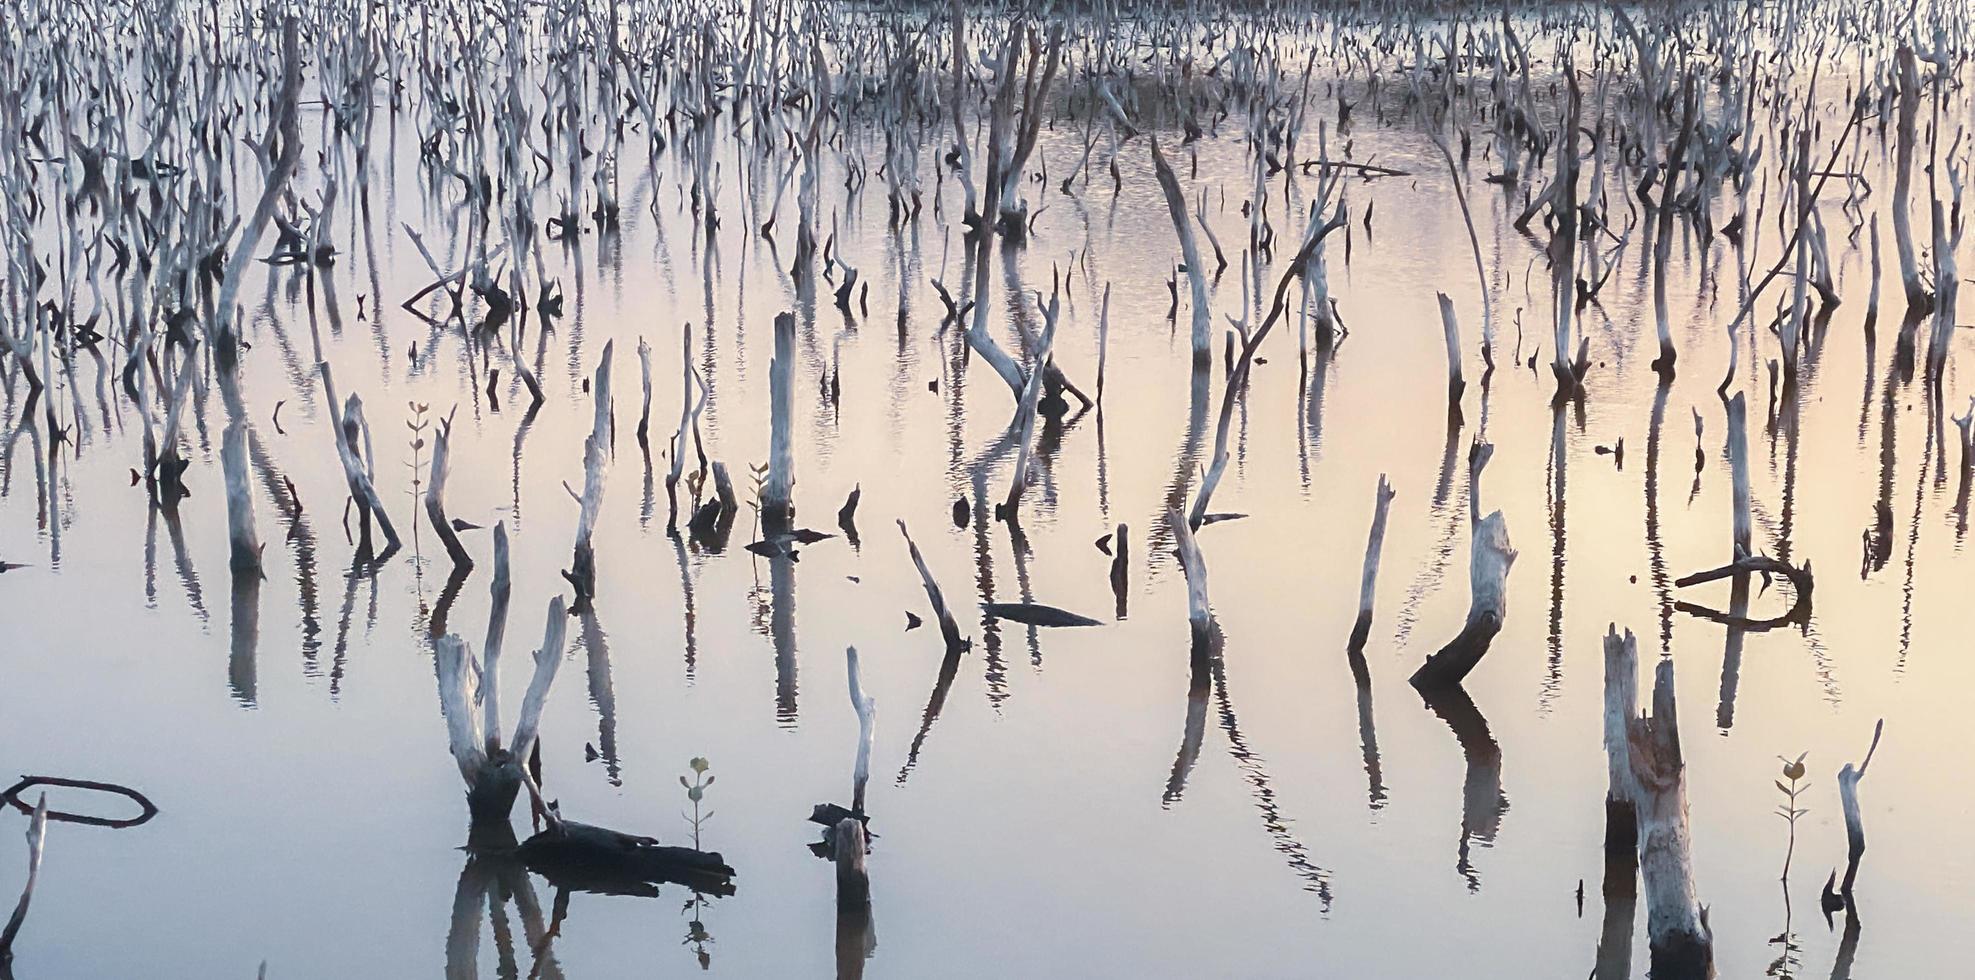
1801 582
599 856
1037 614
13 797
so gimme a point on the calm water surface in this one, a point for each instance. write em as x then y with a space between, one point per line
1055 803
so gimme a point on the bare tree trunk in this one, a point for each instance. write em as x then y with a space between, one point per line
1368 586
777 503
435 495
948 628
867 720
1488 583
582 573
1917 297
1621 808
1196 274
853 881
1681 945
1451 329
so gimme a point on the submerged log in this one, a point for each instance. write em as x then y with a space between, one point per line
146 809
1682 946
601 856
1037 614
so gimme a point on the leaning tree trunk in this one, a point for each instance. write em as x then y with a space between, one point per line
1196 274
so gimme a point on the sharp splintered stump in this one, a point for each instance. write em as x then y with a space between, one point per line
1621 810
689 410
1368 585
244 543
1681 945
1103 338
1451 330
777 505
348 428
644 405
435 494
853 881
1738 468
582 573
1488 583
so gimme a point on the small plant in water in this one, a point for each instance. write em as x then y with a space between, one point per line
1789 810
759 476
696 791
696 935
417 423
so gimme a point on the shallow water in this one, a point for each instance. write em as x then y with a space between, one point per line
1057 804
